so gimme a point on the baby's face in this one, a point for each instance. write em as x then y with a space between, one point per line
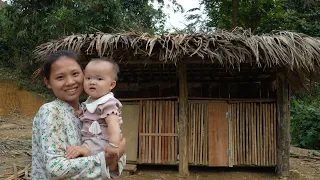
99 79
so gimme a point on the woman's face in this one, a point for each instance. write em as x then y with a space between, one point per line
66 80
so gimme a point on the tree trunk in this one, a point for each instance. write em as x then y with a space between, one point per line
283 123
183 130
234 13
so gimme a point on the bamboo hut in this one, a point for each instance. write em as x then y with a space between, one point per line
219 99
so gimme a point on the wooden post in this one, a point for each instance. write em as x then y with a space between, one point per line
283 123
183 130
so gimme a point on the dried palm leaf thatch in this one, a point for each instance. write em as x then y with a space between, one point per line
297 52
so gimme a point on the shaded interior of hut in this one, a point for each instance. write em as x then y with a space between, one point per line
205 80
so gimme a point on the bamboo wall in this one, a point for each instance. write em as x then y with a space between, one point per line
158 134
198 133
252 133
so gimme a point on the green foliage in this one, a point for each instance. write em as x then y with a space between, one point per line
305 123
264 16
25 24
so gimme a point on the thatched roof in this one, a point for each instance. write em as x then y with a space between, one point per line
297 52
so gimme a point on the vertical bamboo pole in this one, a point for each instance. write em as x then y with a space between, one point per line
271 134
160 131
157 131
283 129
141 131
172 131
267 134
258 135
183 104
255 133
176 129
241 131
237 135
275 133
247 133
264 134
150 130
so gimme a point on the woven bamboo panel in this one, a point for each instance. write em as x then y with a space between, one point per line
198 133
158 132
253 133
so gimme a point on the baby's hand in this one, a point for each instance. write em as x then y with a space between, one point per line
112 152
76 151
78 113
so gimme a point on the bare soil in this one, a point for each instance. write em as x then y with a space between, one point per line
15 150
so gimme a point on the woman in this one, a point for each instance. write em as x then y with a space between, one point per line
56 127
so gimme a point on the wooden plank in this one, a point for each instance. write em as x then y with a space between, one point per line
130 129
148 99
218 134
233 100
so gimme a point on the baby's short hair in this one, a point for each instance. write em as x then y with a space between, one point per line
114 64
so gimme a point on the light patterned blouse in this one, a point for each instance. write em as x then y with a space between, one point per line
54 129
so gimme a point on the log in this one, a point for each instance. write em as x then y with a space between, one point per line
183 131
283 129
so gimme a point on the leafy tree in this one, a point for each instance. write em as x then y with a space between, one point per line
249 14
28 23
305 123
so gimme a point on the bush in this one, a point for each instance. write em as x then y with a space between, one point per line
305 123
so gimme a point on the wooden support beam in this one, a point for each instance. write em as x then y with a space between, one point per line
283 123
183 127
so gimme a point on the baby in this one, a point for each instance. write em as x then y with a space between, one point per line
101 112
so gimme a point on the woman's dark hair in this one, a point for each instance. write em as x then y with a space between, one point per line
54 57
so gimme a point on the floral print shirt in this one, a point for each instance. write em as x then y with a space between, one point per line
54 129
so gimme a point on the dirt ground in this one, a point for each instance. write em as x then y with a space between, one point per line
15 151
